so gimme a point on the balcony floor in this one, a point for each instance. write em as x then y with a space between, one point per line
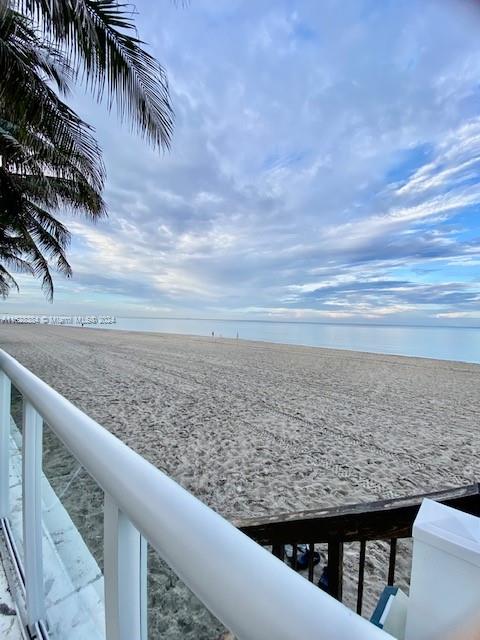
10 628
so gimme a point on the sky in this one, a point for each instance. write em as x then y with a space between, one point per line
324 166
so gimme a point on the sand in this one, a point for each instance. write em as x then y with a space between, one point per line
253 428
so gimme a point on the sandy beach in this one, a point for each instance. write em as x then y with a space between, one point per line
254 428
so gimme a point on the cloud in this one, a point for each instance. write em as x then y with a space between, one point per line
324 165
460 314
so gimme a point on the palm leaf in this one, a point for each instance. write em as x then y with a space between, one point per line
100 34
33 106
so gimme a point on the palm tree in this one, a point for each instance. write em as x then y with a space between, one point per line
50 158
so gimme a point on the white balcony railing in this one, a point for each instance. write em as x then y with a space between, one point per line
251 592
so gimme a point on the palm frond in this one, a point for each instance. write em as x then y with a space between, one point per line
18 36
41 242
100 38
50 224
41 118
30 237
26 151
59 193
7 282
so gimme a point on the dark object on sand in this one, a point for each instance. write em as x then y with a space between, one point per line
301 562
323 581
304 558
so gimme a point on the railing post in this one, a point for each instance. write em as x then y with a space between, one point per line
32 513
391 562
5 402
361 576
335 569
278 550
125 576
311 551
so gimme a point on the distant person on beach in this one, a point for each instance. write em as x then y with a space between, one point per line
213 334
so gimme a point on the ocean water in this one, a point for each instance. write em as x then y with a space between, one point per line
444 343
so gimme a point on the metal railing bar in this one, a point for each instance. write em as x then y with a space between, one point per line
392 561
361 576
125 576
311 549
278 551
294 556
5 404
143 588
32 513
42 630
335 569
